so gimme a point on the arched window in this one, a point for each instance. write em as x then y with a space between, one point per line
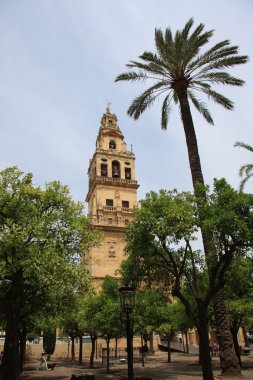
127 173
104 170
115 169
112 144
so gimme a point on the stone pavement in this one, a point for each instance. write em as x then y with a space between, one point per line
183 367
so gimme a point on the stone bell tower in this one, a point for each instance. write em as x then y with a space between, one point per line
112 197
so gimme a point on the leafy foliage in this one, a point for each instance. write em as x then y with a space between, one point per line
43 234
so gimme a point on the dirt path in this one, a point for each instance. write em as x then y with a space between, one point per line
183 367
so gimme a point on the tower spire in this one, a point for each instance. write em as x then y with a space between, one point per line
108 107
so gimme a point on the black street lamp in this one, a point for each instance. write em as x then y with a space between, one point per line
127 305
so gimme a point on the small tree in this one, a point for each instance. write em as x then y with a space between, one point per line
108 317
239 294
43 234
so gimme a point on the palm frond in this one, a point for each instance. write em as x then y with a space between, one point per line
201 107
216 52
213 60
228 62
243 145
165 111
222 63
221 77
220 99
159 43
199 84
144 100
152 68
131 76
244 181
168 38
246 170
185 31
139 105
194 43
163 65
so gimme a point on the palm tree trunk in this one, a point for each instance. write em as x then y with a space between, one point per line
229 362
228 358
234 331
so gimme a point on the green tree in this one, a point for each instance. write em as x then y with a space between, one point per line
167 330
155 312
107 318
162 234
71 318
239 294
177 69
165 227
246 170
91 307
43 234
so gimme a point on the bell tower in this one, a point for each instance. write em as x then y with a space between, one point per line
112 197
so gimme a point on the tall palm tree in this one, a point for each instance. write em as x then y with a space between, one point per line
246 170
177 72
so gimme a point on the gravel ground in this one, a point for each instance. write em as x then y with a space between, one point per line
183 367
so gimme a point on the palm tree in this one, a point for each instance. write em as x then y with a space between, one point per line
177 72
247 169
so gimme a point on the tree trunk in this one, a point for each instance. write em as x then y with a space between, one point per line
116 347
234 330
10 365
80 360
228 358
204 349
107 355
169 350
72 348
22 348
186 342
93 347
229 362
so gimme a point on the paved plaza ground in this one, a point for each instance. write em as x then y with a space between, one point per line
183 367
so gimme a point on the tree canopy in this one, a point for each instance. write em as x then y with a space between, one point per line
43 234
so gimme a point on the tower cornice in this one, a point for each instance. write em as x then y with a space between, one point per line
115 182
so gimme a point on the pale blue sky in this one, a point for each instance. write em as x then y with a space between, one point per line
58 62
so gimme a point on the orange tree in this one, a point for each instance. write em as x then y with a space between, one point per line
43 234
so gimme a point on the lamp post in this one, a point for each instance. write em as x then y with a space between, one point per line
127 305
